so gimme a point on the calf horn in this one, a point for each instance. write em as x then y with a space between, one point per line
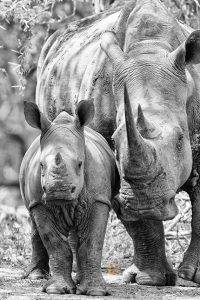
140 152
58 159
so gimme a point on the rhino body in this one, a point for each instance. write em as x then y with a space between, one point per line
141 67
67 181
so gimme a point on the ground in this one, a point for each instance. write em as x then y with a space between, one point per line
15 253
14 288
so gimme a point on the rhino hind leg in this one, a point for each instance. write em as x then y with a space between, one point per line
189 269
39 266
90 252
150 265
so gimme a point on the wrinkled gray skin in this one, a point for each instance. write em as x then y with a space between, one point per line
145 81
67 180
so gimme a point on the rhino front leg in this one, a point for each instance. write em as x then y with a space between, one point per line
60 255
189 269
90 246
39 266
150 266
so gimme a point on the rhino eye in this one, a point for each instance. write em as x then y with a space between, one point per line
42 168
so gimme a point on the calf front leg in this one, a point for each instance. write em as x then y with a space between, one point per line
39 266
150 266
91 239
60 255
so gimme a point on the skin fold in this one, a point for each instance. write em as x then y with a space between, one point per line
141 66
68 178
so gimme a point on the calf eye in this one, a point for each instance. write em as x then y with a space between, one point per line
80 164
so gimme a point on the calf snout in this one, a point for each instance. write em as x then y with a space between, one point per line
59 191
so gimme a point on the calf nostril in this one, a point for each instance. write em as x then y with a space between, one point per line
44 189
73 189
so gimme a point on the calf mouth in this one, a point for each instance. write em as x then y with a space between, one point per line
57 197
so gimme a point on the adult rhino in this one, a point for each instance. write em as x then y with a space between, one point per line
67 180
143 74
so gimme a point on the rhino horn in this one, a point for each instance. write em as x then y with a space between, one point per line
139 150
58 159
146 128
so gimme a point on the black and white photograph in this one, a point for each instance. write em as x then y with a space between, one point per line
99 149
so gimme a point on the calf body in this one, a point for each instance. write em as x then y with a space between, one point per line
67 181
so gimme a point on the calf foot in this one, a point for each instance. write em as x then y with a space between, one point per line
155 276
92 288
189 269
59 285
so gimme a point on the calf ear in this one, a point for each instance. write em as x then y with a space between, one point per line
84 112
189 51
34 117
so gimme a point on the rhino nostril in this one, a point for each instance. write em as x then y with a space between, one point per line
44 189
73 189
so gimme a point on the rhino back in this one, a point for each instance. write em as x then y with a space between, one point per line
73 66
29 177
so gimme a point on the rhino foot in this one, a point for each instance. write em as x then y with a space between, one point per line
59 286
189 272
91 289
153 277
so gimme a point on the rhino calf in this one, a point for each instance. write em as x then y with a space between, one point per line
67 180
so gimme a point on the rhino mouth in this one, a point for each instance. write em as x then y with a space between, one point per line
160 211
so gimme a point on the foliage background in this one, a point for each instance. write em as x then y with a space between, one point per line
24 27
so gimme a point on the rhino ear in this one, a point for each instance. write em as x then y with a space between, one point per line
189 51
84 112
34 117
192 48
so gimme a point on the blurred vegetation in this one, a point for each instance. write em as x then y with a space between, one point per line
24 27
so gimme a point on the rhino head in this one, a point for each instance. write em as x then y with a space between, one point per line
62 146
151 87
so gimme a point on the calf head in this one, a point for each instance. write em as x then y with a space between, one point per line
152 87
62 150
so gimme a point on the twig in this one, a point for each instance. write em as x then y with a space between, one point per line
178 240
172 234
